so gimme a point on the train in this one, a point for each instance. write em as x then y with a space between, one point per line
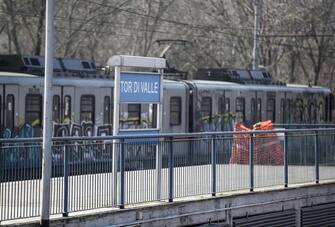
82 105
213 100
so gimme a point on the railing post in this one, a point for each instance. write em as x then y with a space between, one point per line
286 160
171 170
122 188
251 161
213 157
66 179
158 170
316 156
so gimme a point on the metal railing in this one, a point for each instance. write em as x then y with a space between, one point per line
301 126
160 167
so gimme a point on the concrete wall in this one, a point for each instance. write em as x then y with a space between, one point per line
199 210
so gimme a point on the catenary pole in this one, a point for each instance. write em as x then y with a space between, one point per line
47 118
255 51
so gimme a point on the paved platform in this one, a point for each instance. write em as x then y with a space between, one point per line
91 191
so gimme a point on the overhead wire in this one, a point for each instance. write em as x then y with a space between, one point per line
129 26
124 25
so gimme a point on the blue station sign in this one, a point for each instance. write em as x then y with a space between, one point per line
140 87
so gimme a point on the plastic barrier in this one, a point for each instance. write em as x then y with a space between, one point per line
267 147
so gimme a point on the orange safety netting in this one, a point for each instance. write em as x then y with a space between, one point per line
267 147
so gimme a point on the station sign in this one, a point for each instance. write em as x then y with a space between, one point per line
137 87
140 87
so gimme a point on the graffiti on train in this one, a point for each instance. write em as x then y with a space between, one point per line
60 130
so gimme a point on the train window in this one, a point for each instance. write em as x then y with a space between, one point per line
288 110
221 110
206 109
320 112
256 110
131 119
331 107
33 113
312 112
271 109
107 110
85 64
134 112
138 116
87 106
326 108
93 65
240 109
282 111
26 61
223 105
227 105
175 110
259 110
35 61
67 108
298 116
10 108
253 110
153 115
55 108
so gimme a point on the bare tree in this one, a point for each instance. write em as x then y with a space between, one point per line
148 24
315 43
296 41
9 7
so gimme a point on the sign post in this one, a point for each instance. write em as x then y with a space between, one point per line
136 87
47 118
158 150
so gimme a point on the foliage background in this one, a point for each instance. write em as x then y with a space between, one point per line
297 41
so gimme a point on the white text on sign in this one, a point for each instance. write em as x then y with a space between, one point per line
139 87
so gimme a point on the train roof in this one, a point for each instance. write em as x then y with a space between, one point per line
29 79
29 70
206 84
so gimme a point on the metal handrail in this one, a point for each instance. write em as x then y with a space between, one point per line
86 164
166 135
305 125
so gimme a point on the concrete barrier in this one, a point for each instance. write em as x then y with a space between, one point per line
201 210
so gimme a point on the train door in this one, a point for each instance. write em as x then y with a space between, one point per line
228 118
249 95
67 95
329 100
280 107
218 109
289 108
175 110
103 107
107 112
11 107
56 104
233 95
253 109
256 107
242 112
261 105
311 108
85 110
271 106
331 107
